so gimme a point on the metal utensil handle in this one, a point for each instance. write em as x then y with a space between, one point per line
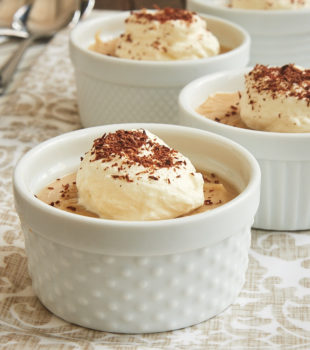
13 33
8 69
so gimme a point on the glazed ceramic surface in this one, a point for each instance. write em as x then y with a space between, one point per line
283 157
278 37
133 277
114 90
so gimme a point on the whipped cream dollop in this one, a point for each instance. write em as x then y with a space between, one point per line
134 175
166 34
276 99
270 4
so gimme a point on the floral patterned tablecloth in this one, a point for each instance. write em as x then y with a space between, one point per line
271 312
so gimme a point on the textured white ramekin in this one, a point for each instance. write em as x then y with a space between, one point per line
278 36
131 277
284 158
114 90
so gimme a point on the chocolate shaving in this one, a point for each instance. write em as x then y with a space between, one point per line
70 207
122 177
288 80
128 146
165 14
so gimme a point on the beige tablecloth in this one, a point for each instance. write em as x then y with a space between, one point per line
272 311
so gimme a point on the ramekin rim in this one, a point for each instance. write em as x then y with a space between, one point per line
105 58
257 12
52 211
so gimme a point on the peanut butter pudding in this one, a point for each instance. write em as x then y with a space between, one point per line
274 99
270 4
166 34
134 175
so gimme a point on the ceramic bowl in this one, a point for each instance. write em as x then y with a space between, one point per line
135 276
284 158
278 36
114 90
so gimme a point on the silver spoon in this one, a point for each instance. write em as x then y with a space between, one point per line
20 32
10 32
25 21
17 30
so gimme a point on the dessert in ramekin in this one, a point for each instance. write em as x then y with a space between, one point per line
269 4
278 35
168 34
283 156
137 276
133 175
112 89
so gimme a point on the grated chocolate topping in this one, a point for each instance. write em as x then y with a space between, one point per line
134 147
166 14
288 80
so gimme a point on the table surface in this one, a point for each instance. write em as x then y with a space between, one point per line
271 312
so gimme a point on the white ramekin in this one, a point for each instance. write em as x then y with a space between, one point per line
284 158
114 90
134 277
278 36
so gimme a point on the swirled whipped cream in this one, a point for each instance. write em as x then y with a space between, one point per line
270 4
276 99
134 175
161 35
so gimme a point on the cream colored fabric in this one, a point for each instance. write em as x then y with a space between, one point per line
272 311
